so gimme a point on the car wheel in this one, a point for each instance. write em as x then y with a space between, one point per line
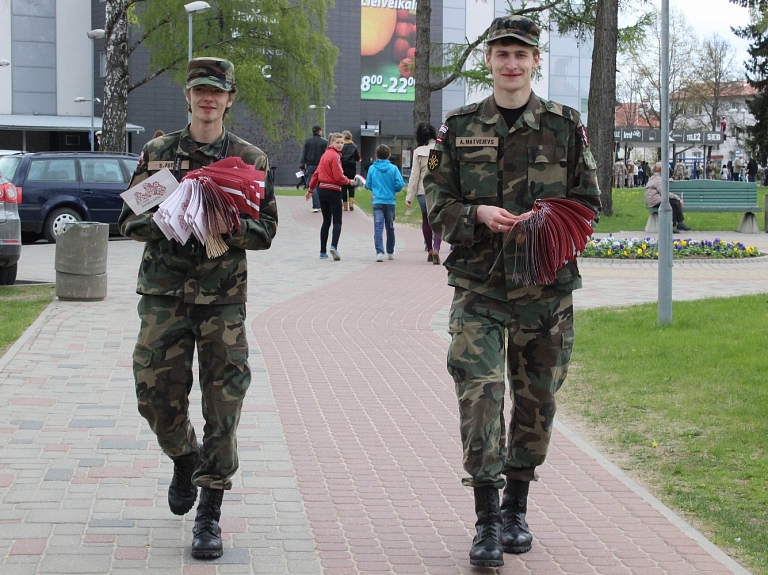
54 223
8 275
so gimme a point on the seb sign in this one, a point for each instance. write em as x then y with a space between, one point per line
696 138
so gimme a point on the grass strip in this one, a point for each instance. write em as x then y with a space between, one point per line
19 307
684 407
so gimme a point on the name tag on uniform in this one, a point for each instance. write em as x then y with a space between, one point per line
473 142
157 165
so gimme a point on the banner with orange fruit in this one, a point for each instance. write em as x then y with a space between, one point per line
387 52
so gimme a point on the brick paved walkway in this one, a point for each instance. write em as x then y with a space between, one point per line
349 443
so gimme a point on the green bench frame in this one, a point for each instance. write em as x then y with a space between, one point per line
714 196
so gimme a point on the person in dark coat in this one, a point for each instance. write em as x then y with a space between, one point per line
313 150
350 156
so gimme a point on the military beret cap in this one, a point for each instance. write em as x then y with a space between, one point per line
519 27
211 71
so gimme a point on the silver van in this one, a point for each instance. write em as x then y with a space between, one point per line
10 232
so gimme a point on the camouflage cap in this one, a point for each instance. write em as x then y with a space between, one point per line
519 27
212 71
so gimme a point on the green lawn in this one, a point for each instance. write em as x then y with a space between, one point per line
19 307
630 214
685 408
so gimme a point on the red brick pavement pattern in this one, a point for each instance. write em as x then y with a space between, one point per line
369 415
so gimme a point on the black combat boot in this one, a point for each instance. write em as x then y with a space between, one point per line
515 536
181 492
206 534
486 546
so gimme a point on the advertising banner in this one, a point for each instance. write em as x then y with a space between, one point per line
387 49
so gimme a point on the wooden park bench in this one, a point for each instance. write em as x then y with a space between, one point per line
714 196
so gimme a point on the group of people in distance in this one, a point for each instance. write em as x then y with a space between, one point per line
331 188
475 180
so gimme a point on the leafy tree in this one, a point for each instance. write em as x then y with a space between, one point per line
645 57
283 59
757 75
716 78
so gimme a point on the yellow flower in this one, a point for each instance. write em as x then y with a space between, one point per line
640 251
722 242
610 252
626 253
645 247
735 249
655 444
684 243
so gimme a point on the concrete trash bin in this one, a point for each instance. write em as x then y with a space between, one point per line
81 262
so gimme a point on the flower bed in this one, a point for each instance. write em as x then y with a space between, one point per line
648 249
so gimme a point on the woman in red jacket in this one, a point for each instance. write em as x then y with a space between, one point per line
328 179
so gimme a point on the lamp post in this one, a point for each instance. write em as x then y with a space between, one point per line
323 108
93 35
91 100
193 8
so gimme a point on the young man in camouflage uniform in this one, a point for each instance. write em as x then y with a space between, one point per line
492 161
189 300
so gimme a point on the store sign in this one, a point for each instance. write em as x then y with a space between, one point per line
695 138
387 49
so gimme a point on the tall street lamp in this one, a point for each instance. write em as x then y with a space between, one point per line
323 108
193 8
91 100
93 35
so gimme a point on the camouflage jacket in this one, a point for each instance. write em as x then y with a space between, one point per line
195 278
543 155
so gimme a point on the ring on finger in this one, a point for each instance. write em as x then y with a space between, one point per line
499 227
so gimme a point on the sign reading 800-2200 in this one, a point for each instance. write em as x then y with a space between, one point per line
394 85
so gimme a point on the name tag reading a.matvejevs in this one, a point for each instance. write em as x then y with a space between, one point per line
150 192
479 141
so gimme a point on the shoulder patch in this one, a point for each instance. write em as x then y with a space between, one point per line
468 109
561 110
433 161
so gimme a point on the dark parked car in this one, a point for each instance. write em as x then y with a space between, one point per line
10 232
60 187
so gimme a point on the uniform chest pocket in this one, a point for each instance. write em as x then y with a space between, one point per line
547 172
479 171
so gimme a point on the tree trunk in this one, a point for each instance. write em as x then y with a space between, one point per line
602 97
421 108
116 82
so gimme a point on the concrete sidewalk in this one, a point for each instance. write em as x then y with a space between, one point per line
350 459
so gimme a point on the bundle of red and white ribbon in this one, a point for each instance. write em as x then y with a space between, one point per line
556 232
208 203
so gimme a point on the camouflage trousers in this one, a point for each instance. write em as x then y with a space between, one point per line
162 365
529 339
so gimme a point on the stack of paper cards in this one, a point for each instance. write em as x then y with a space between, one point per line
207 202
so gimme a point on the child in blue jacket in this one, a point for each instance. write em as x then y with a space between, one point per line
384 181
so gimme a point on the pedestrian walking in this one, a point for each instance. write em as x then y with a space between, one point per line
350 156
313 149
426 135
326 183
190 302
492 160
384 181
